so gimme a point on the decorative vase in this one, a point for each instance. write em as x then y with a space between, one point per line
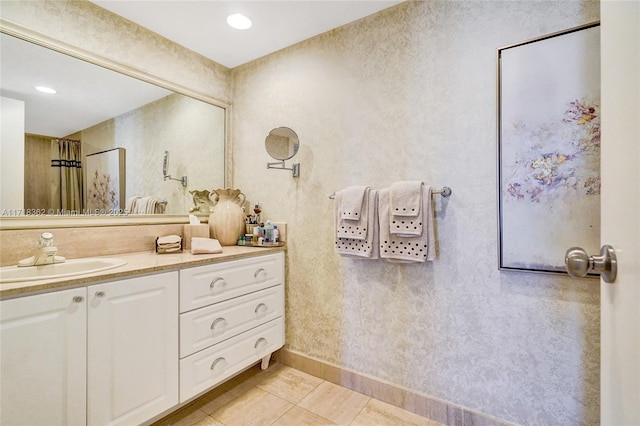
227 220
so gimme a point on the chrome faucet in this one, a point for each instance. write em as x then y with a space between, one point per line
46 254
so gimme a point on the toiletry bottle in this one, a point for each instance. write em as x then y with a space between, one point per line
268 232
276 234
256 235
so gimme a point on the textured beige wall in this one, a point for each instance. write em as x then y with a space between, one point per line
406 94
192 131
410 93
86 26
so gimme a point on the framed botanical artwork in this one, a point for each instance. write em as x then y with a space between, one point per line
105 181
549 149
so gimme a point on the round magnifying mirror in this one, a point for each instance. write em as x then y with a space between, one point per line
282 143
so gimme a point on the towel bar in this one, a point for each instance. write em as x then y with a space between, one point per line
445 192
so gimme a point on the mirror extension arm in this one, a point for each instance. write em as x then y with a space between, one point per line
295 169
165 166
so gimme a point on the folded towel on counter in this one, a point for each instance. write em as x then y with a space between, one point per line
366 245
403 249
201 245
351 202
353 228
169 244
405 198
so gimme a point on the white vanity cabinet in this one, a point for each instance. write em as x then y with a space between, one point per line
43 359
231 315
98 355
132 349
127 351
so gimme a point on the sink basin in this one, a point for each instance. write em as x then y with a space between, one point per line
70 267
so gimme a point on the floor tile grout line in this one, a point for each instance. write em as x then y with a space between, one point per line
281 415
363 407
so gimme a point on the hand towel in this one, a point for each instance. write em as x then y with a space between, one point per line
151 206
132 204
141 205
401 249
169 244
368 247
200 245
169 240
351 202
405 198
353 228
406 221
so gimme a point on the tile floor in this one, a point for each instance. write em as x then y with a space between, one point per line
282 396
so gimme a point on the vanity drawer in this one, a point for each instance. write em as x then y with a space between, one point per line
207 326
211 366
205 285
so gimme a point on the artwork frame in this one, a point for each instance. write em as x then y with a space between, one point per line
548 149
106 182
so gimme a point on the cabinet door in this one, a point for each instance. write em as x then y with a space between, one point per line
43 359
132 349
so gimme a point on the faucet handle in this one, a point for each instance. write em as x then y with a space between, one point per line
46 239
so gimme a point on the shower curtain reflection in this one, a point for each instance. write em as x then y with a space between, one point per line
66 175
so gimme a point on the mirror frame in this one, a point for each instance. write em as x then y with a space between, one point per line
80 221
273 133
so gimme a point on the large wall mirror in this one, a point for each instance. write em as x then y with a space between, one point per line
106 111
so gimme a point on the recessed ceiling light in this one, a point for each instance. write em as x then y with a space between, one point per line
239 21
46 89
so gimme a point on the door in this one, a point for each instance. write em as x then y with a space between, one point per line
43 359
132 371
620 211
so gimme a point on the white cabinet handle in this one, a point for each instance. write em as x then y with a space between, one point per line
219 364
260 271
218 284
78 299
100 294
261 309
218 324
261 344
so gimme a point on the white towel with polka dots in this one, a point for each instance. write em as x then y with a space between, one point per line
405 206
352 205
399 249
366 245
351 202
405 198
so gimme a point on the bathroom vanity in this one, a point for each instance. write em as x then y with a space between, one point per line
129 345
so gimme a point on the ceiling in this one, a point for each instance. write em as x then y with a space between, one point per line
197 25
201 25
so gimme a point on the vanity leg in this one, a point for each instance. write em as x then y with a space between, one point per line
265 362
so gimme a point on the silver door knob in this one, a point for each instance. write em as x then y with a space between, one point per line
579 264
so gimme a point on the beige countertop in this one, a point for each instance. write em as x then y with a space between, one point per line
137 264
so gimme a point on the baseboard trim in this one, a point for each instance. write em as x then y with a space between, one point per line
435 409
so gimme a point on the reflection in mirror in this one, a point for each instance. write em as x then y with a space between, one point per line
104 110
282 143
